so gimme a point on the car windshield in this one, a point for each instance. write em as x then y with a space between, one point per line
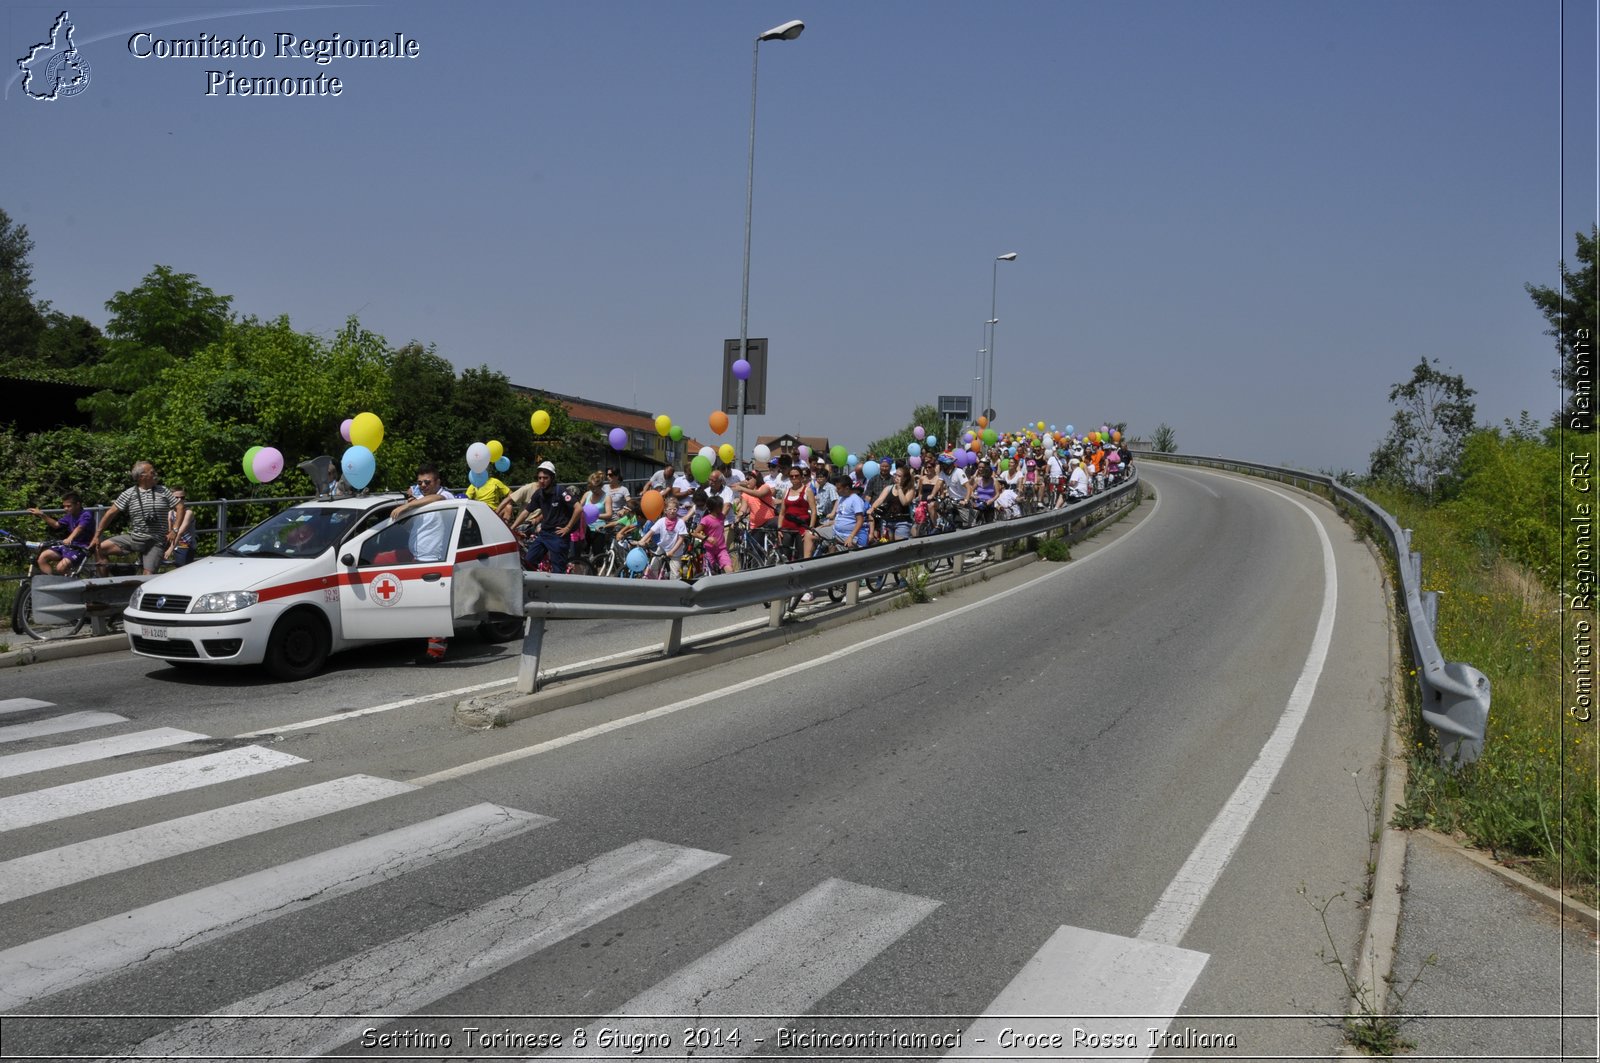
304 531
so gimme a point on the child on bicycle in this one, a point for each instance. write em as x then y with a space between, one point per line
713 534
666 537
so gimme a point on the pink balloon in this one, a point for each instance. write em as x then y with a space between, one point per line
268 464
741 369
920 432
915 461
805 452
344 428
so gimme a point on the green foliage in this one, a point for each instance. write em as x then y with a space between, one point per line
1164 439
1054 550
1434 415
895 445
1509 494
36 471
20 322
1574 310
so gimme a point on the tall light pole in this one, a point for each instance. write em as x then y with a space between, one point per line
994 319
786 32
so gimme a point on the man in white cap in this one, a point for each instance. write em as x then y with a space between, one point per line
1077 481
558 517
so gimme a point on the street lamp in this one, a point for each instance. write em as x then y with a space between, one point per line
994 287
786 32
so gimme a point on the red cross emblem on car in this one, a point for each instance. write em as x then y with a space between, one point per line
387 589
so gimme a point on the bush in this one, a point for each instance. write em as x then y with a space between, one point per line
1054 550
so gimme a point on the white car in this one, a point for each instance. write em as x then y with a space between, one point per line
330 574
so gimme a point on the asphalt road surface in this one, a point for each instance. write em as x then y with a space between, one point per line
1116 807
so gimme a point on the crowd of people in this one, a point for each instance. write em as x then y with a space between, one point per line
160 529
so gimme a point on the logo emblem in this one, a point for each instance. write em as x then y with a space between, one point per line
161 603
55 69
387 589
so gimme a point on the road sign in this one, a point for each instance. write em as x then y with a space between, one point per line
755 389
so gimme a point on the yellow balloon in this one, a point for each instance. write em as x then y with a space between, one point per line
496 451
663 425
366 430
1041 426
540 421
725 452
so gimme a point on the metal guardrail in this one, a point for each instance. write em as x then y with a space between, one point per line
547 595
1455 695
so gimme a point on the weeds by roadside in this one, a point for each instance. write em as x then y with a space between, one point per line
1376 1018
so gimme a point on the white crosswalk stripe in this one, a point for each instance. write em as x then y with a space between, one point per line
39 872
97 749
72 721
405 975
107 791
121 942
17 706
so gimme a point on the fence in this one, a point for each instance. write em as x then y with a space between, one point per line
1455 696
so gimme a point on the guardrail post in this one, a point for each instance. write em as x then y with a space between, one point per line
528 667
222 523
776 611
852 592
1415 557
1430 608
674 641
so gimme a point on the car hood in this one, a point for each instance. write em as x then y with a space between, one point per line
212 575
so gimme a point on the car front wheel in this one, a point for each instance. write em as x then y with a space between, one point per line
298 648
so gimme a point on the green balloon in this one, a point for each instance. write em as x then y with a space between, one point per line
250 464
838 454
701 467
676 432
1005 463
989 436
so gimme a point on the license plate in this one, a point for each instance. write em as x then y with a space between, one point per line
155 633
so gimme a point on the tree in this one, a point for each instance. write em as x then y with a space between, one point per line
1164 439
164 321
1429 431
19 318
1573 312
895 445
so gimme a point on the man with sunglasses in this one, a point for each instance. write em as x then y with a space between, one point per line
429 537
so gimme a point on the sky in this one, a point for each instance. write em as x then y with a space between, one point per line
1246 220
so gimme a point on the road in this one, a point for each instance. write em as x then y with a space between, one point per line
1123 786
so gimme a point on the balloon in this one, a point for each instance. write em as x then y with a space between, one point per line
1041 426
708 454
358 464
502 464
676 432
920 432
850 460
268 463
497 450
913 450
989 436
837 454
931 441
478 457
663 425
540 421
1116 437
870 470
619 438
762 453
344 429
914 461
250 465
741 369
1071 431
719 422
983 422
1005 463
701 468
650 504
967 437
637 559
725 453
478 477
591 512
804 452
366 430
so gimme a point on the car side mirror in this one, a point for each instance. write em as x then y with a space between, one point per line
347 560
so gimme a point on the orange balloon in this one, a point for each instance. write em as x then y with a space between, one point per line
1116 437
719 422
983 422
650 504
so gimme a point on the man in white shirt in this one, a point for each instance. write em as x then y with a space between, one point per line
1078 481
429 537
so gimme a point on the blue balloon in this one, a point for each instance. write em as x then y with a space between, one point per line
478 479
851 460
931 441
913 450
870 469
637 559
1071 431
503 465
358 464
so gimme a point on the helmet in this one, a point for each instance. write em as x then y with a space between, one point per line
548 466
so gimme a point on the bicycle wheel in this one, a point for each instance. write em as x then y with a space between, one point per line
42 627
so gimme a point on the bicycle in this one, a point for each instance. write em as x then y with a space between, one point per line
62 621
755 547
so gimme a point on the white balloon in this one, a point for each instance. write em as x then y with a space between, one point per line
762 452
709 454
478 457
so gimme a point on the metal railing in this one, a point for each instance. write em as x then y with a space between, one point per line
546 595
1455 695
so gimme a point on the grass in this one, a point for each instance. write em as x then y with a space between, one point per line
1531 799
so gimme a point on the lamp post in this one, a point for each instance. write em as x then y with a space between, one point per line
786 32
994 288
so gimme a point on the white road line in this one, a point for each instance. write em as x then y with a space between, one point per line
1086 995
107 791
403 976
72 721
122 942
38 872
778 968
96 749
515 755
1176 909
12 706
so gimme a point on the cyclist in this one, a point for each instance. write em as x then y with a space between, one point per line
73 529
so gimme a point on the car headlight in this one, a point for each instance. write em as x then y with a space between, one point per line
135 598
226 602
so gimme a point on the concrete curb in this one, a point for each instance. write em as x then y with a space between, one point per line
499 710
38 652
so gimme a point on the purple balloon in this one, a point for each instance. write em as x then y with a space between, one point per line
344 428
591 512
619 438
920 432
741 369
915 461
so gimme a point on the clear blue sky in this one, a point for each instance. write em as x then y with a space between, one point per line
1245 219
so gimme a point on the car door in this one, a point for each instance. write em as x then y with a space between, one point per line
397 578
